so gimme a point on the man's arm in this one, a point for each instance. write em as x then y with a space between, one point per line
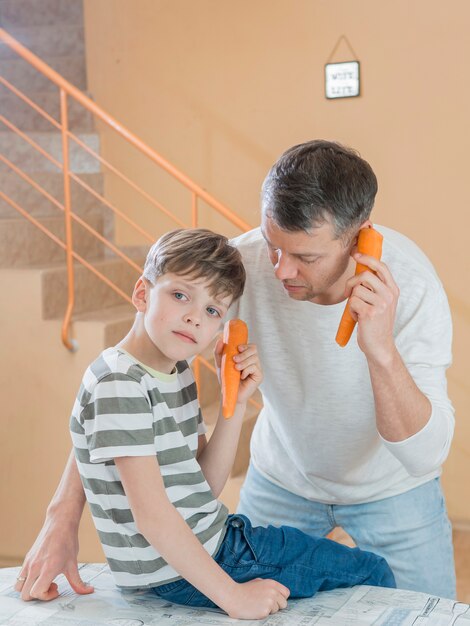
56 547
164 528
216 458
402 409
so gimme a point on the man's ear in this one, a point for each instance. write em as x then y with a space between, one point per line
140 295
365 224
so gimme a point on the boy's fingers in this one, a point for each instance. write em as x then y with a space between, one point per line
249 348
282 601
241 365
284 590
251 370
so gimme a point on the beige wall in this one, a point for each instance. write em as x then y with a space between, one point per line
221 88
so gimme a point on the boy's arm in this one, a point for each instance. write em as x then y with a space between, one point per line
216 458
56 547
164 528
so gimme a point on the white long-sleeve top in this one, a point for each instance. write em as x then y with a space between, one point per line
316 435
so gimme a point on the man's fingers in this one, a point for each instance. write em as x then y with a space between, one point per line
77 583
21 579
377 266
39 593
27 585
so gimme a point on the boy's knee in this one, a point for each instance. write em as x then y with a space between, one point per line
383 574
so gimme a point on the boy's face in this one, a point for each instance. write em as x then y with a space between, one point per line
180 316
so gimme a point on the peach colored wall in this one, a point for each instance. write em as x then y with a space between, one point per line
221 88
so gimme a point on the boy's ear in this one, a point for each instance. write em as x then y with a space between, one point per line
140 295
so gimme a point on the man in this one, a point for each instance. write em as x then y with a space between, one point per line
350 436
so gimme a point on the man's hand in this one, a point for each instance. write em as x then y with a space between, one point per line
247 362
373 301
256 599
54 552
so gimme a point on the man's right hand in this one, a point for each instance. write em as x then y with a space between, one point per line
257 599
54 552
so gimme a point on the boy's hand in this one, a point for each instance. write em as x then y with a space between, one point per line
247 362
256 599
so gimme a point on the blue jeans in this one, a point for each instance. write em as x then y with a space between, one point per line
411 530
302 563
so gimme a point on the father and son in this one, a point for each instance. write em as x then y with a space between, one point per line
351 437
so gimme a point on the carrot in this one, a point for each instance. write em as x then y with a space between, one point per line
369 242
235 334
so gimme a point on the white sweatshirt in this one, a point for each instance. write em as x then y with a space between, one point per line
316 435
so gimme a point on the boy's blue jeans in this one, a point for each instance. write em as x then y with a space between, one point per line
302 563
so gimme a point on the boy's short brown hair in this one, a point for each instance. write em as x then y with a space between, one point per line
198 253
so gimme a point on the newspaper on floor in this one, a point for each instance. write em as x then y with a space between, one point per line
108 606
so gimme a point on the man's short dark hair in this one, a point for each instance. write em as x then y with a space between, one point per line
316 180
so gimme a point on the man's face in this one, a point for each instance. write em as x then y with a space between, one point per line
312 266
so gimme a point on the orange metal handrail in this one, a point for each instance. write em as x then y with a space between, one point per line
77 179
67 89
60 243
83 145
76 218
69 343
112 122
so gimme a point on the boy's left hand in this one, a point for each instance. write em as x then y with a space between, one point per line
247 362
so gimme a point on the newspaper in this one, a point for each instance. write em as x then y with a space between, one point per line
108 606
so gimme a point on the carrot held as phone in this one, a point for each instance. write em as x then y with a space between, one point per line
369 242
235 334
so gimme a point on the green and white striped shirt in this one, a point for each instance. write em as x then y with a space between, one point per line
124 408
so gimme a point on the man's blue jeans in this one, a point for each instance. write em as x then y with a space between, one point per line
411 530
302 563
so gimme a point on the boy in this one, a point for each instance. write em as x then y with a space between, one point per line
150 477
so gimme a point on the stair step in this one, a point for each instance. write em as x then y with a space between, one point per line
22 154
22 244
27 119
26 78
91 292
117 322
37 205
47 40
33 13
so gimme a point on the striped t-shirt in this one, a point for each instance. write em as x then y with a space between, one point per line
124 408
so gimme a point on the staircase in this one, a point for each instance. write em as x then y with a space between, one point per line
53 29
42 377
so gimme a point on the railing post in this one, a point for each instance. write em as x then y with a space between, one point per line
69 343
194 216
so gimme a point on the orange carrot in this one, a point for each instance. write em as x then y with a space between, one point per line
235 334
369 242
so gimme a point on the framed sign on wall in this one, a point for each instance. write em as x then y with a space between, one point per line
342 80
